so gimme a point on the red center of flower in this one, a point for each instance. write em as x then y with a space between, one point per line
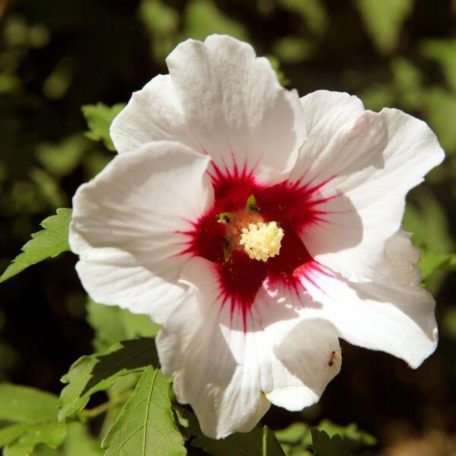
239 201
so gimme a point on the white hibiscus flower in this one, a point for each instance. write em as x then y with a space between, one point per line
257 228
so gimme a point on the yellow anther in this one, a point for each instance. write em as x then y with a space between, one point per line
261 241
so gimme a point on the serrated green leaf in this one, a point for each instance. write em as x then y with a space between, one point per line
22 404
260 441
324 445
113 324
354 437
146 424
50 434
384 19
93 373
47 243
99 118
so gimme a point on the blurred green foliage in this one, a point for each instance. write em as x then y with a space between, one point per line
58 56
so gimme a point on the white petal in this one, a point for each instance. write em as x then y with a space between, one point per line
235 107
308 358
376 161
380 316
152 114
192 346
400 266
229 373
335 123
126 226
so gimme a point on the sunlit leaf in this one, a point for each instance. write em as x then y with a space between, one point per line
354 436
11 433
79 442
22 404
50 434
202 18
383 20
146 426
441 105
294 433
113 324
61 158
293 50
431 261
161 22
44 244
93 373
99 118
378 96
297 438
428 223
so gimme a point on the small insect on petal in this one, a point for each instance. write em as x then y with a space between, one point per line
332 358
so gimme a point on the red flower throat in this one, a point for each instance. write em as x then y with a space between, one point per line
239 200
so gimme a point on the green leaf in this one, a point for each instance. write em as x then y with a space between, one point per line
50 434
146 424
312 12
99 118
443 51
428 223
12 433
294 433
22 404
79 442
275 63
93 373
113 324
383 20
47 243
258 442
290 49
202 18
48 188
431 262
161 22
441 106
408 83
324 445
271 446
354 437
62 158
